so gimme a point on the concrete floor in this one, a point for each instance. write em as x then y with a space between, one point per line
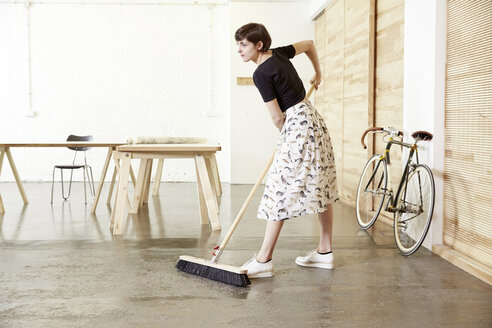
61 267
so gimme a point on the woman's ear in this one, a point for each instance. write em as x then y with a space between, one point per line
259 46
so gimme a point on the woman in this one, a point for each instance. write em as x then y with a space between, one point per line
302 179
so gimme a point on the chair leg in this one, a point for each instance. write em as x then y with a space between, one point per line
70 186
52 183
90 180
63 188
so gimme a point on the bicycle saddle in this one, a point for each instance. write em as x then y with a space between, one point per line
422 135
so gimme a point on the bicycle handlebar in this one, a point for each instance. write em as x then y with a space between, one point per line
388 131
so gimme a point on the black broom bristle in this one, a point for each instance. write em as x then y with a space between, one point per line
232 278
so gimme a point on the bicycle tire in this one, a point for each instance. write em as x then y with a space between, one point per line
411 224
368 203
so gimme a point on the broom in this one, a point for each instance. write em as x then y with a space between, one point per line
216 271
222 272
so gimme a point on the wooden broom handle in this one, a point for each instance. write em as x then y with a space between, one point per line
246 203
310 91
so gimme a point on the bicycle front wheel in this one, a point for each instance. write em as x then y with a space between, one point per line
371 191
414 210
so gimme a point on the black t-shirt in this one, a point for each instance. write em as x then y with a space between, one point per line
277 78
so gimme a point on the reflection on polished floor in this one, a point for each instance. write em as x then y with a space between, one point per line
60 266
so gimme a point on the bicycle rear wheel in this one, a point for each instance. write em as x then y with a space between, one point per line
371 191
415 208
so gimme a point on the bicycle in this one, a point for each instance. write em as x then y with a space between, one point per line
413 201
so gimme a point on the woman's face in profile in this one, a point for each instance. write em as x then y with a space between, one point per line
247 50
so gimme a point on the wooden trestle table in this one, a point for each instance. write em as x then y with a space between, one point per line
209 187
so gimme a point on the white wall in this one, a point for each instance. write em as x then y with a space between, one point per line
253 135
424 91
113 71
123 70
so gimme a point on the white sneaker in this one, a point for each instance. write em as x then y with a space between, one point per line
316 260
257 269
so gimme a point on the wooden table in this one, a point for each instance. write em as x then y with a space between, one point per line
5 149
209 188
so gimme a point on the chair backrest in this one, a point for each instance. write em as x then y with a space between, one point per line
79 138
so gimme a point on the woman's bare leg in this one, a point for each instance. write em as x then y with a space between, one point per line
326 222
271 235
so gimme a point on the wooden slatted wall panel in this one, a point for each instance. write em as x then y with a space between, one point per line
333 80
468 130
357 96
319 95
389 76
345 96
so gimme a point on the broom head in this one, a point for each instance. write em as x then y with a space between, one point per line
220 272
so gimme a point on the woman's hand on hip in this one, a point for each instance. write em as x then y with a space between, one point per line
316 80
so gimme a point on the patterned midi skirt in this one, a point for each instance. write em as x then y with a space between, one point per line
302 179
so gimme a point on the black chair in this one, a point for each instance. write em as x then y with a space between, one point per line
86 169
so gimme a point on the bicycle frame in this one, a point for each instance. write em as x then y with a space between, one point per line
393 197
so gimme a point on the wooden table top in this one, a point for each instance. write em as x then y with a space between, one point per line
63 144
168 147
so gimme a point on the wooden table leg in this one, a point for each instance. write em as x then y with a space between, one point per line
113 179
113 212
215 171
144 183
145 198
132 175
210 198
16 175
111 187
142 170
213 183
202 206
124 173
101 180
158 176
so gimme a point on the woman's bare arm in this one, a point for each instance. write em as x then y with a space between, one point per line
276 113
310 50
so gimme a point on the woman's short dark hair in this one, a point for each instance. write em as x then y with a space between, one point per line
254 32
